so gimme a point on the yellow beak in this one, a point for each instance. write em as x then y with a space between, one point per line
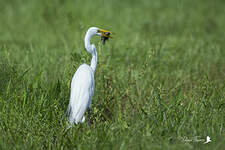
105 33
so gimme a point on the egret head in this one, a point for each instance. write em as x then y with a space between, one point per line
105 35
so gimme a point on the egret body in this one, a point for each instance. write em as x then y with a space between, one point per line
83 82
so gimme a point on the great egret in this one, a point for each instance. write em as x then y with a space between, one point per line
83 84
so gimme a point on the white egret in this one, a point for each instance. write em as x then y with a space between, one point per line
83 84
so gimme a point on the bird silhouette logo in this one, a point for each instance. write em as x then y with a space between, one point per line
208 140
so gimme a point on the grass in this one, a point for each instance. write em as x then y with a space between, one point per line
159 81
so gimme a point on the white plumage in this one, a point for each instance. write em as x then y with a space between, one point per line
82 90
83 84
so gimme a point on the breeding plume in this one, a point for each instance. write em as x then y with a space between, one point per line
83 83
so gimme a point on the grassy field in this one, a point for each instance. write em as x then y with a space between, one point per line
160 82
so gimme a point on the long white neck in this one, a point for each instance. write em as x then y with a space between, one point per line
91 49
94 59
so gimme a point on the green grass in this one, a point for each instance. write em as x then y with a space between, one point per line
158 81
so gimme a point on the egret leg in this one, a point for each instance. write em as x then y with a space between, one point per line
89 116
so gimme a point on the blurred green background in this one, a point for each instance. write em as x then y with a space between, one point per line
159 81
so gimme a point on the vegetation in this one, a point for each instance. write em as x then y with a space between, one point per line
159 82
